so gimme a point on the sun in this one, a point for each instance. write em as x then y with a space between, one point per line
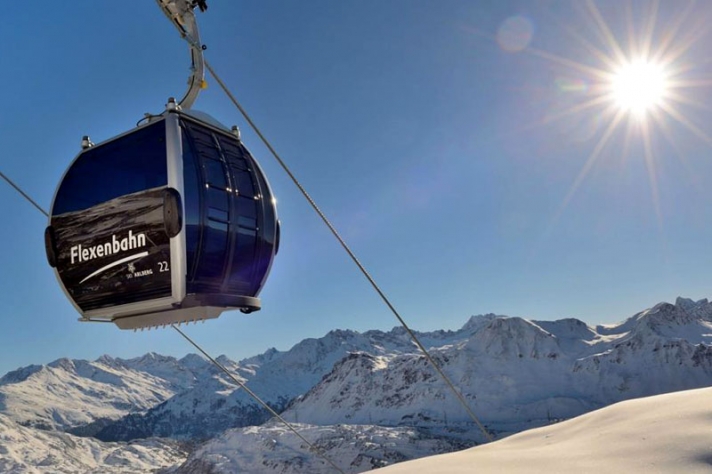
638 82
639 87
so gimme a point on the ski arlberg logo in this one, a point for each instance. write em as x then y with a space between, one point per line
79 253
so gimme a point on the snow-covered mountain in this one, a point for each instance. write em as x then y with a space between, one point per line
28 450
517 374
69 393
277 377
370 398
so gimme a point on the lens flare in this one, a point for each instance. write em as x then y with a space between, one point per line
515 34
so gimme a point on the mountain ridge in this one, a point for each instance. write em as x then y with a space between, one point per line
514 373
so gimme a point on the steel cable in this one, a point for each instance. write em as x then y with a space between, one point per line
351 254
315 449
215 362
23 193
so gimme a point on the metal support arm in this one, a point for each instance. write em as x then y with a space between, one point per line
180 12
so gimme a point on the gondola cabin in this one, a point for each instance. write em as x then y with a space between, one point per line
173 221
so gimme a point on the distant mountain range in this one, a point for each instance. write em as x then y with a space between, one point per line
367 399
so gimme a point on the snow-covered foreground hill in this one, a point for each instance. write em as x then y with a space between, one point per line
669 433
664 434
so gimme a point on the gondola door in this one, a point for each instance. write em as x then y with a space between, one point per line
227 257
245 227
213 213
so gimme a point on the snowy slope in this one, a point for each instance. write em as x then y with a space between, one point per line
663 434
68 393
28 451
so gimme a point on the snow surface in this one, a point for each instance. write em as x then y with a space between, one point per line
663 434
273 448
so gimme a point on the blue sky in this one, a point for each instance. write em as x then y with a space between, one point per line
463 149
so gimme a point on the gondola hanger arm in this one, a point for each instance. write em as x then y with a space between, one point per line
181 14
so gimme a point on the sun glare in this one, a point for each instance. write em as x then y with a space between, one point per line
639 87
636 84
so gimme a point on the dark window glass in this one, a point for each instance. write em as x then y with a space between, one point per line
247 208
207 153
244 183
203 141
230 147
191 199
217 198
212 258
203 137
191 180
234 153
215 173
192 238
247 222
243 260
236 161
126 165
217 214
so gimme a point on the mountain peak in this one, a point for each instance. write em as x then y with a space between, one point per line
505 336
342 333
475 323
63 363
21 374
690 304
683 312
192 361
108 361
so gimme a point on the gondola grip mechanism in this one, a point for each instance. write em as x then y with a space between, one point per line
180 12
